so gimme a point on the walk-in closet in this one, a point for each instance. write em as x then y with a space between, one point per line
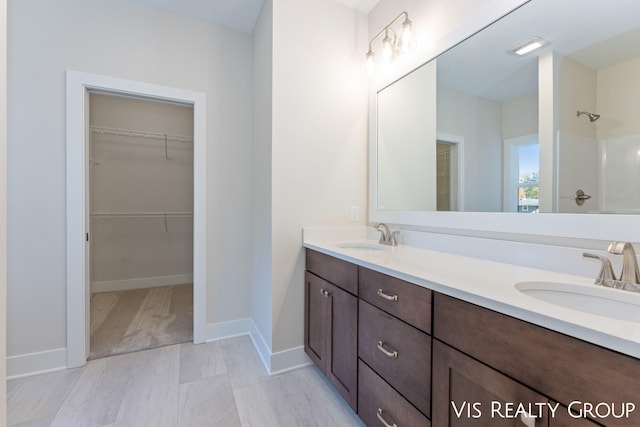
141 223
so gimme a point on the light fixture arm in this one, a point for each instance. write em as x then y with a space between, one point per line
388 27
391 46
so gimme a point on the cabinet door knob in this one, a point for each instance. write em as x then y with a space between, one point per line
387 296
528 420
383 421
385 351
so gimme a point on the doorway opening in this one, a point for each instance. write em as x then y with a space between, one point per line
449 173
80 88
141 223
521 174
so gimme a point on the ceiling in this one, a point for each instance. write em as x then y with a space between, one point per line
597 36
239 15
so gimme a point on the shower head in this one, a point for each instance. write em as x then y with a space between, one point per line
592 116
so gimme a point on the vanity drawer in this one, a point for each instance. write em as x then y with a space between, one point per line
377 399
556 365
334 270
400 353
406 301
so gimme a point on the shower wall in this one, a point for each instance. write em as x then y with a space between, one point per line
577 150
578 165
602 158
141 193
618 133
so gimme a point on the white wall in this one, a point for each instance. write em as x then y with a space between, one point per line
479 122
140 175
261 302
406 143
319 150
520 116
618 89
46 38
3 212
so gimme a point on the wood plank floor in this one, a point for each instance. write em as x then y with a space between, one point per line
139 319
221 383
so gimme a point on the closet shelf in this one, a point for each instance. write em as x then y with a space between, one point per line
141 214
140 134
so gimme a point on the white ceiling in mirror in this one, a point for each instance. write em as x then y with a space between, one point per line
555 22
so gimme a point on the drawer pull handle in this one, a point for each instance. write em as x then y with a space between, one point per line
324 293
528 420
387 296
383 421
385 351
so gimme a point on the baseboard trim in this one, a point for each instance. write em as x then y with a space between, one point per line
281 361
288 360
229 329
264 351
140 283
25 365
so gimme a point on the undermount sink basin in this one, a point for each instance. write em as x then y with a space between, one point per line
602 301
362 246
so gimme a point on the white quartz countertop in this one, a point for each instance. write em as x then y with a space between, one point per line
486 283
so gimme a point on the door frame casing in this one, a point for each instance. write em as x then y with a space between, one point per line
77 169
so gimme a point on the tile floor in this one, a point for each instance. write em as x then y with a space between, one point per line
222 383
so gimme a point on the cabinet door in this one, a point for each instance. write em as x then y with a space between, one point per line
562 418
468 393
379 404
316 303
342 347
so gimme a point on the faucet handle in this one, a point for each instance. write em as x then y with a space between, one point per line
606 276
393 240
385 233
630 273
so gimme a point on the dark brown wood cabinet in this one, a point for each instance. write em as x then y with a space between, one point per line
469 393
564 418
401 354
406 301
395 345
380 404
398 352
563 368
331 327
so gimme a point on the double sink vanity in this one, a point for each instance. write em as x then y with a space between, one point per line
416 337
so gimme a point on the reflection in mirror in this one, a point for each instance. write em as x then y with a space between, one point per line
406 143
511 124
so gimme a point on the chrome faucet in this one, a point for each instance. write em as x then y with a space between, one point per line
386 236
606 276
630 275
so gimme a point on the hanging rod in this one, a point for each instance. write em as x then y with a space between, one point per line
140 214
140 134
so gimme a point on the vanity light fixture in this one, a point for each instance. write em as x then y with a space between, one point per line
391 46
529 46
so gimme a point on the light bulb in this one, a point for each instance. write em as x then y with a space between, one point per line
371 62
407 29
387 48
